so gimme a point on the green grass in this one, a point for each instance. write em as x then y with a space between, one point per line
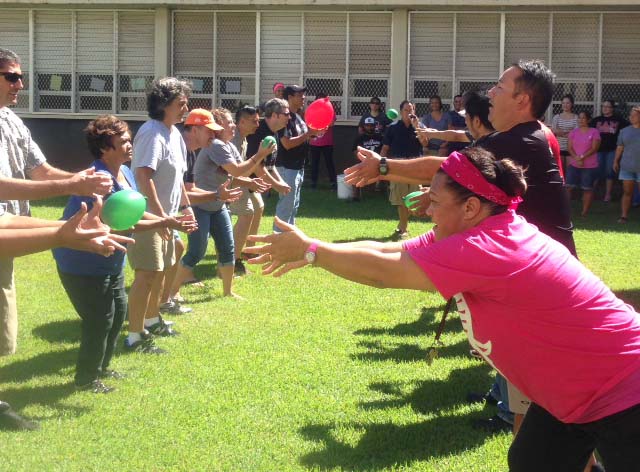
311 372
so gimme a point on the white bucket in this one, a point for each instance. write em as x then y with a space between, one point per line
344 189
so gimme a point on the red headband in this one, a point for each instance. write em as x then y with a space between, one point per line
458 167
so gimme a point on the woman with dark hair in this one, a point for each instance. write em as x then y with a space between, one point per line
582 168
530 308
562 124
439 120
95 284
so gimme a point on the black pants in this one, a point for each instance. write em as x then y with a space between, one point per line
545 443
101 302
327 152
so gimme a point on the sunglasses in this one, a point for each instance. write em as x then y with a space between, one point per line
12 77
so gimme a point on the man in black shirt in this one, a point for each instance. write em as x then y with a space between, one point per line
522 94
292 154
400 142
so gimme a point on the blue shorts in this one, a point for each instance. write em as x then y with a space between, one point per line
581 177
626 175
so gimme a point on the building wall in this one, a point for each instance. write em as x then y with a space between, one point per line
99 57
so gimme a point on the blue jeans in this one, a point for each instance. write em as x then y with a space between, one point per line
499 392
605 164
218 225
288 204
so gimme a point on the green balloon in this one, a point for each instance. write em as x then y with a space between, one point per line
407 200
123 209
392 114
268 141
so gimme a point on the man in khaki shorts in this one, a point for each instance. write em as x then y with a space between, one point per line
249 207
159 162
400 142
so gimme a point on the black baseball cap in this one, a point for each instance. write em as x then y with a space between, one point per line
293 89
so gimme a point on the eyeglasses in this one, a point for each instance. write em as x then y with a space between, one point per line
12 77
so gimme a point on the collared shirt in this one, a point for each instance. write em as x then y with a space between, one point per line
293 158
19 154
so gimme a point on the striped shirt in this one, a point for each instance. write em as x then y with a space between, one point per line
565 125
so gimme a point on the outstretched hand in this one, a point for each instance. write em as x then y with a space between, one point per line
228 195
85 232
281 252
366 172
89 182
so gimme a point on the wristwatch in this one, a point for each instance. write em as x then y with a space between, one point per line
384 168
310 253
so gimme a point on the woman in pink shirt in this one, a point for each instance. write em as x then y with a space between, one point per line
582 170
533 311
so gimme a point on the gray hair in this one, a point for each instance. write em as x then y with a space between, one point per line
8 57
163 92
275 105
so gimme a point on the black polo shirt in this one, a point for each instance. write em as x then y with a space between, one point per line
402 141
546 203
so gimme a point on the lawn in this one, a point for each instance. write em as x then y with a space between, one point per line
310 372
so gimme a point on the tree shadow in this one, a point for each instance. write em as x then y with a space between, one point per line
60 331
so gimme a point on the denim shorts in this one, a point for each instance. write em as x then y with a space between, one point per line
626 175
581 177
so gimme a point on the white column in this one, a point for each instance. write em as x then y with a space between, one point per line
162 42
399 56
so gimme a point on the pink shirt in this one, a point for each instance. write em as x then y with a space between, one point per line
325 140
582 143
538 316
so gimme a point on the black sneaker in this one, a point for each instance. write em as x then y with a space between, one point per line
10 420
112 374
239 270
174 308
144 346
162 328
475 397
495 424
95 386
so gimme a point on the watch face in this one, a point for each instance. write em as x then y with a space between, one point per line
310 257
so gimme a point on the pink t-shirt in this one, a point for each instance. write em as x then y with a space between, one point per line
325 140
538 316
582 143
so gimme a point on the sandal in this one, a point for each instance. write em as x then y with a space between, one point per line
622 219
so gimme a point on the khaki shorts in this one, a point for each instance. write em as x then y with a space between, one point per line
8 309
247 204
518 402
398 190
151 252
243 205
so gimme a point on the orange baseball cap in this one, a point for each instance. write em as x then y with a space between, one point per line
202 117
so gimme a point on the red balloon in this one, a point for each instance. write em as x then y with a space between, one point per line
319 114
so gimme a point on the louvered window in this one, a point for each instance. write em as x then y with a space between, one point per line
14 25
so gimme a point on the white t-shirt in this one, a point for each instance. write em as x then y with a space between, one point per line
163 150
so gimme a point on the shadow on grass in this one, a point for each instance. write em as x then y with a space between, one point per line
632 297
427 323
433 395
47 395
376 351
47 363
388 445
60 331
